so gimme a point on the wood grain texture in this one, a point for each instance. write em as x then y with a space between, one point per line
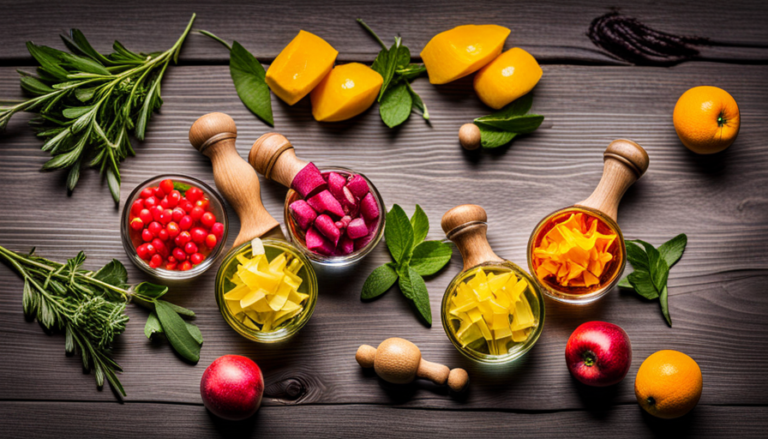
551 31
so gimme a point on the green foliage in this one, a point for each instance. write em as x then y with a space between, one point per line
501 127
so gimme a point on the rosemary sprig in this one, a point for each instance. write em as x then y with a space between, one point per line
89 307
89 103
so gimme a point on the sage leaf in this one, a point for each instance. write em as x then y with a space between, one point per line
430 256
396 105
398 234
524 124
493 138
420 225
664 301
177 333
113 181
249 77
180 310
672 250
114 273
150 291
195 332
152 326
379 282
413 287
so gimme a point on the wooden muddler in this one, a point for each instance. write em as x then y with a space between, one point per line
399 361
273 156
214 136
466 226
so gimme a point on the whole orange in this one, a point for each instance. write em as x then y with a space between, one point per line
668 384
706 119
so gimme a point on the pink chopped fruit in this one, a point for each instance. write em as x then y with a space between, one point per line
303 213
346 219
358 186
325 202
346 246
340 225
369 208
317 243
362 242
357 228
336 185
349 199
309 181
325 225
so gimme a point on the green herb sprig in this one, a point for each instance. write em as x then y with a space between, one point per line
249 77
413 258
89 307
88 103
501 127
651 269
397 99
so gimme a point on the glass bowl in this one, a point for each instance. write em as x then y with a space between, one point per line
130 240
296 235
610 276
532 294
272 248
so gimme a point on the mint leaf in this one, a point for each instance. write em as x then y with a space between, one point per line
398 234
430 256
113 273
641 281
396 105
413 287
418 104
664 301
379 282
518 107
493 137
420 224
624 283
249 77
637 256
672 250
149 291
657 266
524 124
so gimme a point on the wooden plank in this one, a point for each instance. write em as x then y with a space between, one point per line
23 419
717 290
551 31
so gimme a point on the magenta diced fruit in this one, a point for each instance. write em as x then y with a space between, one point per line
357 228
346 219
369 208
325 202
336 183
365 240
303 213
325 225
340 225
309 181
349 199
346 246
317 242
358 186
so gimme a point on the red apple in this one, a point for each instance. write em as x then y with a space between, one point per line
232 387
598 354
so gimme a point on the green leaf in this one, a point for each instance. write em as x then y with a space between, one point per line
113 182
34 86
641 281
411 72
420 225
249 77
114 273
517 107
418 104
413 287
658 266
195 332
78 38
47 60
637 256
524 124
672 250
387 71
153 325
181 187
430 256
85 94
150 290
379 282
177 333
624 283
74 175
664 301
181 310
396 105
494 138
76 112
398 234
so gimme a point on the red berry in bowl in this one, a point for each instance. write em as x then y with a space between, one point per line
141 251
151 202
146 216
173 229
186 222
190 248
186 265
137 224
166 216
164 203
186 205
160 247
146 235
184 237
208 219
159 193
210 241
197 213
194 194
137 206
196 258
155 261
204 203
198 235
166 185
218 230
173 198
147 192
151 250
178 214
154 228
170 266
179 254
163 235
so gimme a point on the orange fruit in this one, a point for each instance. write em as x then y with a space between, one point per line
706 119
668 384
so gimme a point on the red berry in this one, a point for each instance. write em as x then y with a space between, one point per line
186 205
155 261
146 216
146 235
184 237
190 248
178 214
166 216
179 254
196 258
137 206
194 194
204 203
186 265
198 235
218 230
151 202
166 185
173 229
163 234
157 211
147 192
197 213
141 251
159 194
154 227
210 241
160 247
208 219
170 266
186 222
171 259
137 224
173 198
151 250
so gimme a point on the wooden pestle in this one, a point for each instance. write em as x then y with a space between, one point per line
399 361
273 156
214 136
625 162
466 226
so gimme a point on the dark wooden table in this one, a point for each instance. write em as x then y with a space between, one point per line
718 295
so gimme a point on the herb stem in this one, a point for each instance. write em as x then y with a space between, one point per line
211 35
370 31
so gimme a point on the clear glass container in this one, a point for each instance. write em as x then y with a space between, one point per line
296 235
515 350
272 248
611 274
131 241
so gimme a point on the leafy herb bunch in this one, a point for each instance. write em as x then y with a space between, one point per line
90 308
413 258
501 127
88 103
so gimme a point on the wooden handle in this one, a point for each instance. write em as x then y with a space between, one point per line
466 226
437 373
625 162
214 136
273 156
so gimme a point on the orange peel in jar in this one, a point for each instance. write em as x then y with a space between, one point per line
574 253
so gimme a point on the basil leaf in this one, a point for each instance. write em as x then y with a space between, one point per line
181 187
413 287
412 71
396 105
637 256
672 250
642 283
430 256
664 301
658 266
420 224
153 325
177 333
518 107
249 77
398 234
493 138
524 124
150 290
379 282
114 273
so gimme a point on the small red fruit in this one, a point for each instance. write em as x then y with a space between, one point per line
173 198
178 214
137 206
137 224
159 193
173 229
186 222
186 265
232 387
210 241
160 247
141 251
146 216
196 258
218 230
197 213
151 202
170 266
163 234
204 203
166 185
208 219
184 238
179 254
186 205
146 235
198 235
598 354
194 194
164 202
147 192
151 250
190 248
157 212
155 261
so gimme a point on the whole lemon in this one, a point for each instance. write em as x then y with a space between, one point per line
668 384
706 119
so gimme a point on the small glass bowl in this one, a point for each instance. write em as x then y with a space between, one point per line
272 248
296 235
217 208
610 277
532 294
